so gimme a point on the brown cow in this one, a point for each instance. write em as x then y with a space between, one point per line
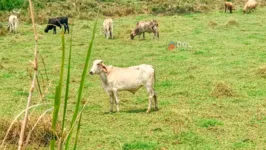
145 26
228 6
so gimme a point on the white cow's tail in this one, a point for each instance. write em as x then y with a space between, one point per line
154 78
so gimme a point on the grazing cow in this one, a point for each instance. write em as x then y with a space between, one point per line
130 79
228 6
145 26
108 28
59 21
250 4
12 23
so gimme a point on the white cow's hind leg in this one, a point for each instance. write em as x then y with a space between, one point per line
16 27
151 96
108 34
155 101
11 27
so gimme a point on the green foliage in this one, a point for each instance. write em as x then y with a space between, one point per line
206 123
189 138
244 144
140 145
10 4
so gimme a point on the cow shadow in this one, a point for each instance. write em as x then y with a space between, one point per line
132 111
135 111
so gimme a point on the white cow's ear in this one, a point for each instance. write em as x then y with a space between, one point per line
104 68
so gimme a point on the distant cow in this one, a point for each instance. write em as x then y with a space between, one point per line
59 21
250 4
228 6
145 26
108 28
130 79
12 23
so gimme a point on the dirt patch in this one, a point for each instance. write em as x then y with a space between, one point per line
261 71
221 89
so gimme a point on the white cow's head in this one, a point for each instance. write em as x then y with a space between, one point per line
98 67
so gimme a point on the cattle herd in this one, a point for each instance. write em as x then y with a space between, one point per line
132 78
250 5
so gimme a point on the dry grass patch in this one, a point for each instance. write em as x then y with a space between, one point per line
212 24
221 89
3 30
231 23
41 135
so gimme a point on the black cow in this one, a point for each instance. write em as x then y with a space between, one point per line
59 21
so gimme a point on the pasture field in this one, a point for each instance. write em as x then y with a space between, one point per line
212 94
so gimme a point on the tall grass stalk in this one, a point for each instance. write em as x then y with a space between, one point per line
58 92
44 65
85 70
75 121
25 121
67 90
77 133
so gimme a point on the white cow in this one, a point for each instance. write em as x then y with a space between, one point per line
12 23
108 28
250 4
130 79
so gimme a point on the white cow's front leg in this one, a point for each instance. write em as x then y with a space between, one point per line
116 100
111 94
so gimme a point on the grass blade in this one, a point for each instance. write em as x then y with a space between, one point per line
85 70
67 89
77 133
58 93
75 121
55 113
44 65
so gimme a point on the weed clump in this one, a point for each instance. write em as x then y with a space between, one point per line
41 135
222 89
212 24
2 30
231 23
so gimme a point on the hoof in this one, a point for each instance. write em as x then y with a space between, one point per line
148 111
156 108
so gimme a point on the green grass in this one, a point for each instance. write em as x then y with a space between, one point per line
189 117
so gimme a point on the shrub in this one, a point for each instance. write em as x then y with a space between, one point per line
10 4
